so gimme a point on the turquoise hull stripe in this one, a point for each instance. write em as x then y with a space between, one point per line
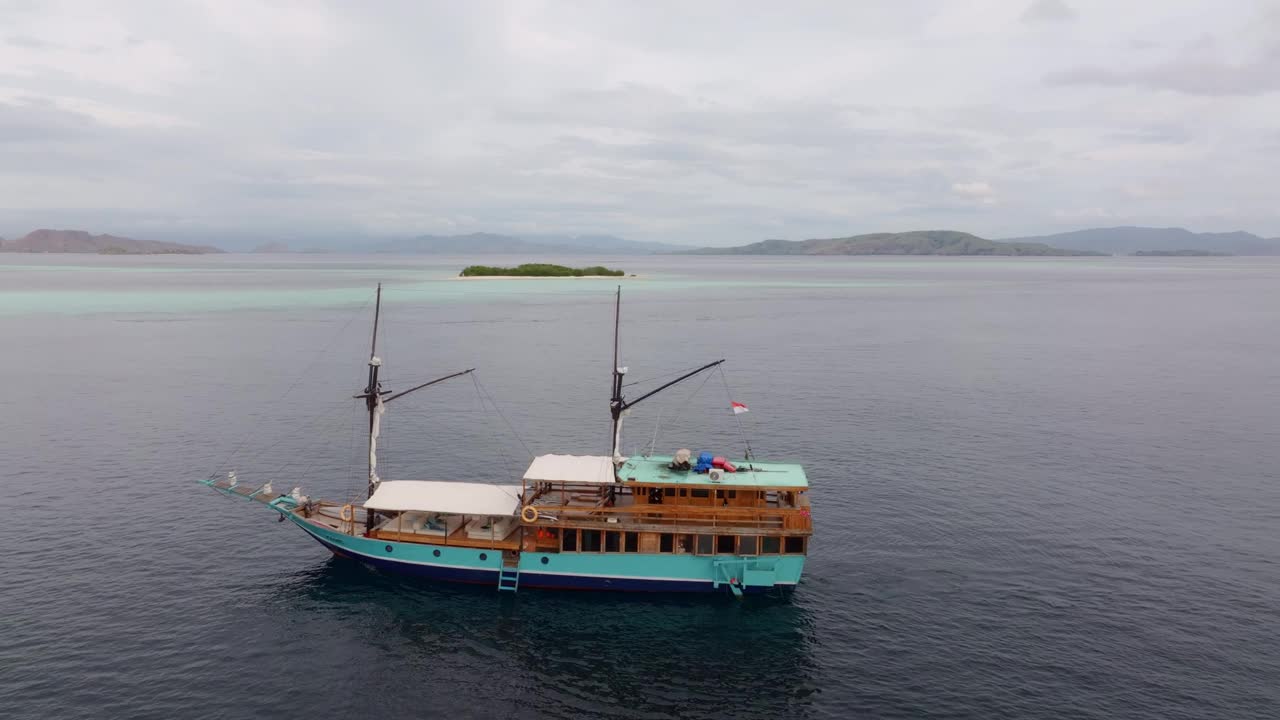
621 571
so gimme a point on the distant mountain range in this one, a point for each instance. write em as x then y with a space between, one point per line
79 241
492 244
1097 241
1130 240
921 242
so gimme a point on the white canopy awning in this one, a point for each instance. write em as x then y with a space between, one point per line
454 498
571 468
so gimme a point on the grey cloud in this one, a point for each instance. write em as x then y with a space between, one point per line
729 127
1153 136
1188 74
26 41
1048 11
34 121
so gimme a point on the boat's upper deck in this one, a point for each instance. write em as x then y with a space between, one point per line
750 473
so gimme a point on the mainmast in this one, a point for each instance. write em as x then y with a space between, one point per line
617 404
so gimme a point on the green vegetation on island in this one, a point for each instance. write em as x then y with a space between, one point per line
539 270
923 242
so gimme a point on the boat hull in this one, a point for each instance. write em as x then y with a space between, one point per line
625 572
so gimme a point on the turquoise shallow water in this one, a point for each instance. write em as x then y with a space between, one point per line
1043 488
64 285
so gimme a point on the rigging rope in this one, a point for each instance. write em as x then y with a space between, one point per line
356 415
249 435
475 377
736 418
750 465
480 396
658 377
315 420
656 434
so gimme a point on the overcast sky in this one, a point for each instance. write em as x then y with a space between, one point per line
695 122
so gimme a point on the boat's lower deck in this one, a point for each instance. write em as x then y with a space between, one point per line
647 571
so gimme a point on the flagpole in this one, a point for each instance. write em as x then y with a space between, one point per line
733 406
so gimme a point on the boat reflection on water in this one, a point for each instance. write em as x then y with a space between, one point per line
472 650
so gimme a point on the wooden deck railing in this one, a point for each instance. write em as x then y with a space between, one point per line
656 518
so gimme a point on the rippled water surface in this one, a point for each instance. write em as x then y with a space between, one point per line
1043 487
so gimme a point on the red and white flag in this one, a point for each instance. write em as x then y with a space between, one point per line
738 408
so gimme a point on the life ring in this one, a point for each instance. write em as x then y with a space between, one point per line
347 513
529 514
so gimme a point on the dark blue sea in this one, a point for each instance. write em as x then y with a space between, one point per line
1043 488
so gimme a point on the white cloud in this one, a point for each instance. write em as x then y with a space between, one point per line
975 189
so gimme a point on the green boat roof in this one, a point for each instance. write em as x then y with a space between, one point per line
752 473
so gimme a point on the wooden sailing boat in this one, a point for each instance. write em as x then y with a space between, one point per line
670 523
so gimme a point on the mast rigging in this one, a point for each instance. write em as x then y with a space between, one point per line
617 403
376 399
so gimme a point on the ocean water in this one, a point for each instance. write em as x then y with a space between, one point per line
1043 488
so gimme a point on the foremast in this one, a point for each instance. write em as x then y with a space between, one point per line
373 402
376 400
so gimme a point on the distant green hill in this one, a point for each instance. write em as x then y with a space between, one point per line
920 242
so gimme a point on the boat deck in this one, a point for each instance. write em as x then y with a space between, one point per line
328 517
654 470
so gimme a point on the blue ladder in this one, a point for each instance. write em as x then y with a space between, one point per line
509 579
509 573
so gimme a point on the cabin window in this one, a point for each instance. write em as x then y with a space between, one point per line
590 540
795 545
706 544
770 545
631 542
724 544
611 543
570 540
666 543
748 545
700 493
669 492
684 492
684 544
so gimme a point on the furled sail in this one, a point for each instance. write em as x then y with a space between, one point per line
374 431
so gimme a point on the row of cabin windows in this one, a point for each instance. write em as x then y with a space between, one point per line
619 541
719 496
614 541
656 494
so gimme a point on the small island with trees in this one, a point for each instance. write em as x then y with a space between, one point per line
538 270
